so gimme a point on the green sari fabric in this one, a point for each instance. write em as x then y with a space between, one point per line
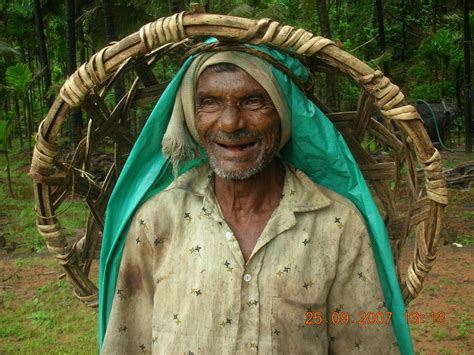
315 147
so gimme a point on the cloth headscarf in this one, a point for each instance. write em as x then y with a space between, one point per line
314 146
177 143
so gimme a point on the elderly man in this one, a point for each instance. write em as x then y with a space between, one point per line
244 254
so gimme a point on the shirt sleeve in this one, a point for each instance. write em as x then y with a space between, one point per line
358 318
129 330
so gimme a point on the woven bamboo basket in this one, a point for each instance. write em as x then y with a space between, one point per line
409 201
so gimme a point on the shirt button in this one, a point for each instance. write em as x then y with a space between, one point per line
229 235
247 277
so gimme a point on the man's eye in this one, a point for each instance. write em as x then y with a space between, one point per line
253 103
208 104
208 101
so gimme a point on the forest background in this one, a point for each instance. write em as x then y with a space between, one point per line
417 43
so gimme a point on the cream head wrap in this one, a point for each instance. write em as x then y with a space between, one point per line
179 141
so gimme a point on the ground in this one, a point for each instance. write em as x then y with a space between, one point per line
39 314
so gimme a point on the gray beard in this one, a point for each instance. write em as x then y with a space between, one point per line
264 160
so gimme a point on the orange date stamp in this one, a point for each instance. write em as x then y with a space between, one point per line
372 318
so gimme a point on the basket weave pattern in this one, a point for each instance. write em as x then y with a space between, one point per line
401 131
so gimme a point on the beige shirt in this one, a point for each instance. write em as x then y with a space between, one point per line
184 288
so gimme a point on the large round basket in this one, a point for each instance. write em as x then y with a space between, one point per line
405 175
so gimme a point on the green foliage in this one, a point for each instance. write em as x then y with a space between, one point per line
441 48
432 92
437 58
18 77
6 50
4 129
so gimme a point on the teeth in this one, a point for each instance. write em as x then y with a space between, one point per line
238 146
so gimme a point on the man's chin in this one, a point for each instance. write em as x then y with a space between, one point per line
236 172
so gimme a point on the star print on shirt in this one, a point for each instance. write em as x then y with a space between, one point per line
305 242
195 250
205 212
285 270
157 241
357 344
137 240
120 294
226 322
362 276
307 285
338 222
143 224
176 319
122 329
276 332
187 216
142 347
227 265
252 303
196 291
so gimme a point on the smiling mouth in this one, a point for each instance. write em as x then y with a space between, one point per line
236 146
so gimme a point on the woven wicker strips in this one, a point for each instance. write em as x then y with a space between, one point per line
408 202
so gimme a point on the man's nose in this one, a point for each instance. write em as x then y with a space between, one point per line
231 119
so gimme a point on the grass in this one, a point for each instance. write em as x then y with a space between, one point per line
50 314
465 326
433 290
20 231
465 239
48 319
440 334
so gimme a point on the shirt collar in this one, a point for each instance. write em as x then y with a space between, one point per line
300 194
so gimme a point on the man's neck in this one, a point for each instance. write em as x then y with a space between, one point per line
257 194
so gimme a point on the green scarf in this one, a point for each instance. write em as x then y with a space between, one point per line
315 147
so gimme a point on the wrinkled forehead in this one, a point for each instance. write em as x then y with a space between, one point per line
225 78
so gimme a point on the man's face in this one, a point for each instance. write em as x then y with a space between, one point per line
237 123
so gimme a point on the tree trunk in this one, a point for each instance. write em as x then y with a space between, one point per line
381 29
111 35
18 119
468 78
176 5
43 55
26 119
29 115
404 31
109 20
75 116
9 178
331 79
434 19
80 33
